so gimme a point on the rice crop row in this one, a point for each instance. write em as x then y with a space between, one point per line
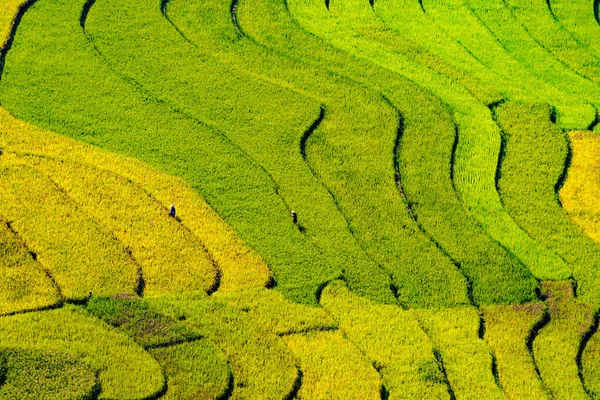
194 370
25 286
537 18
262 366
535 156
80 256
239 265
457 19
171 259
467 359
124 369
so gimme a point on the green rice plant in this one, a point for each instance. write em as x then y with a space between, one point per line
531 169
194 370
537 18
457 19
392 339
557 345
518 43
262 366
508 330
34 375
332 368
362 120
171 258
79 255
24 285
239 189
467 360
204 22
475 164
240 266
125 371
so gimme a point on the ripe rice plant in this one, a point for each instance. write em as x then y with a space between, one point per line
240 266
78 253
34 375
556 347
508 331
195 370
8 10
24 285
392 340
171 258
468 361
532 167
124 369
332 368
579 194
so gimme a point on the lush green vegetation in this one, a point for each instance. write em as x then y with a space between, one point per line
420 142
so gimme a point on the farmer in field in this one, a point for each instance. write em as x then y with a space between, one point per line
172 211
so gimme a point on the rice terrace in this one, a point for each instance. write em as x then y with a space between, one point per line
299 199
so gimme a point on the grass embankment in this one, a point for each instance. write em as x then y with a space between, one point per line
239 189
125 370
74 249
332 368
475 165
458 20
34 375
533 165
556 347
357 126
392 340
25 285
508 331
241 267
537 18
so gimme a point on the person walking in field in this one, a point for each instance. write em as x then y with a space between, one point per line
172 211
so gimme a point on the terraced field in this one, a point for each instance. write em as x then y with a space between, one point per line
299 199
